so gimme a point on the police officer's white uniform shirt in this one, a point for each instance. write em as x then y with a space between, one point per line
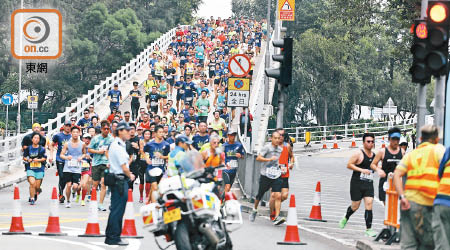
117 156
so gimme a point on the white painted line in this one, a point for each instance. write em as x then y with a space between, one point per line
134 244
100 243
66 241
327 236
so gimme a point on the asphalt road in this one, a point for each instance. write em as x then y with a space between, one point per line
260 234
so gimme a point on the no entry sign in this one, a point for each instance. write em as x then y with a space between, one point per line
239 65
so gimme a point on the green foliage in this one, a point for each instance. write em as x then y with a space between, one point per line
99 36
347 53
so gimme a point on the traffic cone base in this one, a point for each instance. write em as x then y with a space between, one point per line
53 227
92 230
309 219
292 236
93 227
335 143
316 209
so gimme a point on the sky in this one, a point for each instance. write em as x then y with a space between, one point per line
215 8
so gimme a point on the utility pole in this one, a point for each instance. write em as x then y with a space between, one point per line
20 74
422 89
267 57
439 99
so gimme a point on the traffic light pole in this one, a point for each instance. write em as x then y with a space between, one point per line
267 59
422 90
439 98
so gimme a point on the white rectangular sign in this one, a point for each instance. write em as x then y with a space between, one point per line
238 98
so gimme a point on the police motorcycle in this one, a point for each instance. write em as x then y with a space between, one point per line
188 211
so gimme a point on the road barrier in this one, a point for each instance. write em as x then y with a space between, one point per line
292 236
391 215
16 220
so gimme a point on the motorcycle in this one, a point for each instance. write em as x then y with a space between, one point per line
189 212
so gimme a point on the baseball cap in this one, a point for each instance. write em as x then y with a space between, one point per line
139 128
183 138
116 84
36 125
67 122
123 125
395 135
232 132
86 135
135 83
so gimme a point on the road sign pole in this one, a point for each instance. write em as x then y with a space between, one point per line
439 99
267 59
32 116
245 125
6 125
20 74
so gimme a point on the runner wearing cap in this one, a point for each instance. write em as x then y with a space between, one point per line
60 140
182 145
390 157
73 153
34 157
135 94
26 142
114 97
233 151
158 151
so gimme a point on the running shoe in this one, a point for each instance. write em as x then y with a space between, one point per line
279 220
253 214
73 195
101 207
89 198
32 202
141 200
61 199
68 204
83 203
370 233
77 199
342 223
29 199
35 196
272 215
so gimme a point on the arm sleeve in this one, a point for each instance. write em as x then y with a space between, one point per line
444 161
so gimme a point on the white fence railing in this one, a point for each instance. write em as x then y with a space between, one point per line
10 148
345 131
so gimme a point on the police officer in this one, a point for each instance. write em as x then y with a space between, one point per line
119 168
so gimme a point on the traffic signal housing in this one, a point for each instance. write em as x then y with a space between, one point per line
438 24
420 49
284 73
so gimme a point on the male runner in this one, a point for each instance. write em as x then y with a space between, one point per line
233 151
99 149
60 139
132 147
361 184
201 137
390 158
135 94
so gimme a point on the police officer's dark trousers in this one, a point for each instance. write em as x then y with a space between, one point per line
119 197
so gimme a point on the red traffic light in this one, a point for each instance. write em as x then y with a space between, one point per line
438 12
422 31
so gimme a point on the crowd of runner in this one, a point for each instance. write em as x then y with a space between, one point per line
181 106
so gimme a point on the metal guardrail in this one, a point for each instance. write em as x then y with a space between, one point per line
10 149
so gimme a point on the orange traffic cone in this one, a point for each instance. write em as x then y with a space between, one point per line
129 226
316 210
92 228
16 220
292 236
335 144
353 141
383 143
53 228
324 144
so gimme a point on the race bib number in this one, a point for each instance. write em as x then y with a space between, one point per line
153 103
190 71
204 108
134 95
84 164
283 168
158 72
157 161
72 163
212 68
233 164
134 157
104 147
145 156
188 99
114 99
181 91
366 177
273 172
221 104
35 164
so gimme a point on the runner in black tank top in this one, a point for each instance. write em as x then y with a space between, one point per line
361 183
389 158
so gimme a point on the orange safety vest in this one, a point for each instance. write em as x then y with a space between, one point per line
444 184
422 170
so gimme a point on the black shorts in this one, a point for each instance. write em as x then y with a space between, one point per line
134 168
158 77
154 109
202 118
171 82
266 183
180 96
72 177
360 189
285 182
381 192
151 179
217 81
228 178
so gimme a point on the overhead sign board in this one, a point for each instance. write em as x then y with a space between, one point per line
7 99
286 10
238 92
239 65
32 101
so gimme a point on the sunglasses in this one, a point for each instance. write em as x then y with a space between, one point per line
86 113
105 128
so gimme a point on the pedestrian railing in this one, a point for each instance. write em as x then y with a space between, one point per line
10 148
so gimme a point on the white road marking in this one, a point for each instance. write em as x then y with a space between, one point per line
100 243
134 244
327 236
66 241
